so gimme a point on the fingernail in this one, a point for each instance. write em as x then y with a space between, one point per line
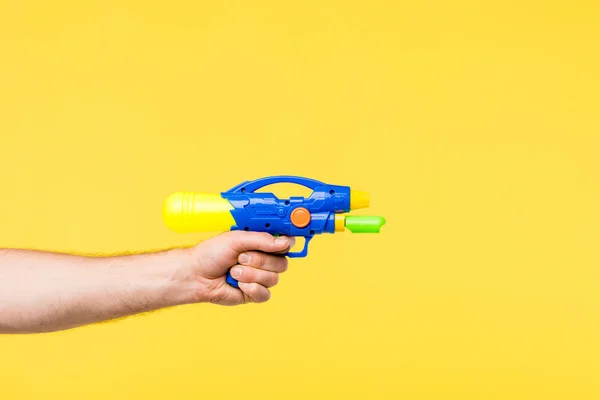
236 272
281 240
245 258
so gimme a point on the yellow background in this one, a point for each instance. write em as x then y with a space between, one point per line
474 126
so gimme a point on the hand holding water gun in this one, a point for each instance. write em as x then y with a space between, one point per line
267 218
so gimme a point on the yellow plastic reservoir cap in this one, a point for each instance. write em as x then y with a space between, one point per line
359 199
197 212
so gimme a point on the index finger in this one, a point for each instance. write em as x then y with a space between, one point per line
242 241
292 242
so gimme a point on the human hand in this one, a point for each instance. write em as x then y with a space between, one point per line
255 260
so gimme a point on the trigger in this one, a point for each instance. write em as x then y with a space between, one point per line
304 252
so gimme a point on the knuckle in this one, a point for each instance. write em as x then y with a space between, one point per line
284 264
274 279
266 296
253 290
247 274
262 296
258 260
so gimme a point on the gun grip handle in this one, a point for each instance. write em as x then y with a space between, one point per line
299 254
231 280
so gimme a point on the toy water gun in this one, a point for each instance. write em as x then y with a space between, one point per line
242 208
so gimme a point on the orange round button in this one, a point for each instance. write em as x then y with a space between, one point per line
300 217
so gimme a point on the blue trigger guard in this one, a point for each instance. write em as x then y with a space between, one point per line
298 254
304 252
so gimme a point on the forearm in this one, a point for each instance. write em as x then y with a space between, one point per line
43 292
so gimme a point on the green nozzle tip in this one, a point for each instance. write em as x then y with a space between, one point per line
364 224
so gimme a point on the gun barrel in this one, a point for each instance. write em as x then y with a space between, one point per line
364 224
